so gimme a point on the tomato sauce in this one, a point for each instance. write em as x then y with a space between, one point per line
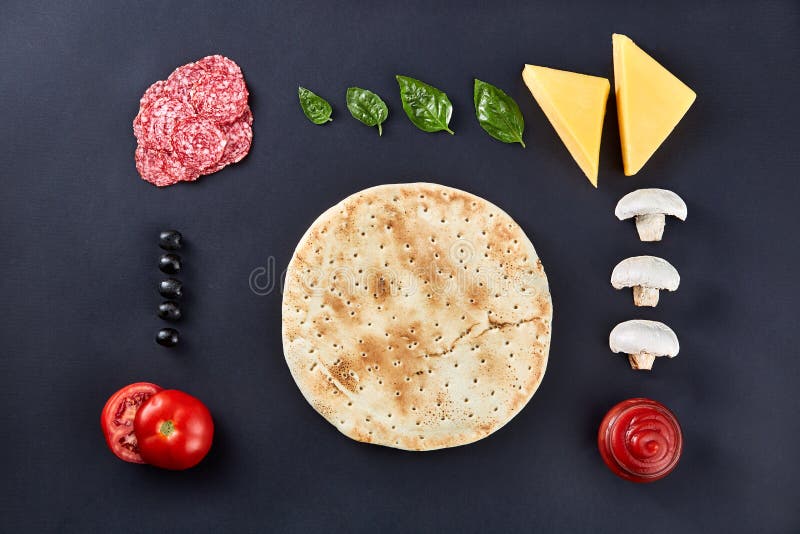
640 440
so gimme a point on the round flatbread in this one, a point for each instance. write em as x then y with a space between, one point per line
416 316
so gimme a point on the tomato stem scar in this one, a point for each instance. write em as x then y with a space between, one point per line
167 428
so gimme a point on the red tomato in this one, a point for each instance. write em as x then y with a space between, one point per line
174 430
116 419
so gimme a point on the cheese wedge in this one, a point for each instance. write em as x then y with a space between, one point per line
575 104
650 102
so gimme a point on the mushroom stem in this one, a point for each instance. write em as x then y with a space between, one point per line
645 296
642 361
650 226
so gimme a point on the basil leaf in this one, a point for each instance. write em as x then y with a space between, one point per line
498 114
315 107
367 107
427 107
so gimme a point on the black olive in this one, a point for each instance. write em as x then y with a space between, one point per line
170 240
170 288
167 337
169 263
169 310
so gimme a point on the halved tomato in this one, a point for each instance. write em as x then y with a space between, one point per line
117 417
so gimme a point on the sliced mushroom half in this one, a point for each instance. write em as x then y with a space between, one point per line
643 342
647 275
650 208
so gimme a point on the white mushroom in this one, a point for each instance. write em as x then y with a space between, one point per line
646 275
643 341
650 206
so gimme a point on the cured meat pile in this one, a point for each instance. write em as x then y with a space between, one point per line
195 122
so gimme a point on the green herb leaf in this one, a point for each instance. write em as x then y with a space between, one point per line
367 107
315 107
498 114
427 107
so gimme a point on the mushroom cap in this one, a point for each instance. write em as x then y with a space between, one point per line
645 271
650 201
636 336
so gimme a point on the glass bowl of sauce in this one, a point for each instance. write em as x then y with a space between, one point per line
640 440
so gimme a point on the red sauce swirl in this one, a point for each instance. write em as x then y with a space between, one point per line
640 440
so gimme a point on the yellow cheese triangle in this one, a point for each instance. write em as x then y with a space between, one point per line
575 104
650 102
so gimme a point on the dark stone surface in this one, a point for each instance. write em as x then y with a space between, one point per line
80 247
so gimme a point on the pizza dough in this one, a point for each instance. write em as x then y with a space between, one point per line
416 316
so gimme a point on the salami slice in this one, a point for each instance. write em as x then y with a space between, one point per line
183 79
220 64
159 120
162 168
220 97
198 143
137 126
240 137
247 116
154 92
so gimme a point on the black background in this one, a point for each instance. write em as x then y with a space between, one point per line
79 269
